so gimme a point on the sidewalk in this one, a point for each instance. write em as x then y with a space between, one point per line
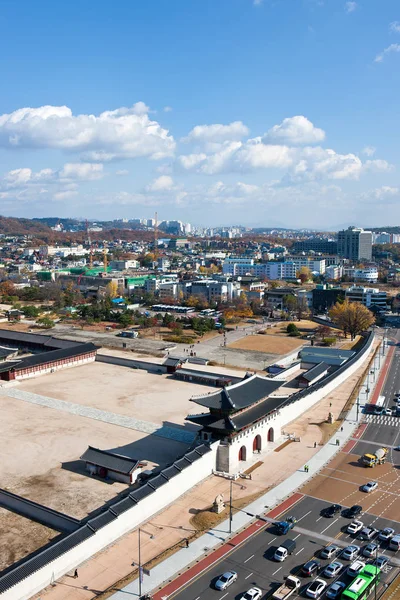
171 527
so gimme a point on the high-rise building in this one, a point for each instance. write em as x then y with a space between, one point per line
355 244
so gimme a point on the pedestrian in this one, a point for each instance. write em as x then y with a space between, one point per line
337 442
76 574
187 543
330 404
341 429
315 444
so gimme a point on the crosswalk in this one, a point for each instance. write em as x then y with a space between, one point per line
383 420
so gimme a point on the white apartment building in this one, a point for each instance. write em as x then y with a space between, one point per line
269 270
334 272
316 266
368 274
367 296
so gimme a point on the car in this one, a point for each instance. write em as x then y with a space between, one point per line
370 486
355 568
353 511
380 562
350 552
331 511
335 590
225 580
396 448
386 534
252 594
354 527
333 569
379 410
370 550
329 551
316 588
368 533
312 567
387 411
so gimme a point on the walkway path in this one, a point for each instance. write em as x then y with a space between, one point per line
171 433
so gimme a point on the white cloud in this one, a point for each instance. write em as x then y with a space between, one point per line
378 165
350 7
257 2
385 193
161 184
81 171
64 195
122 133
389 50
217 133
394 27
167 109
122 172
296 130
369 150
191 161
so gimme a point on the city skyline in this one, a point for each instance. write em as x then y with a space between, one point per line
229 112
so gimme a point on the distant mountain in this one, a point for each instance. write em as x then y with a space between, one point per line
13 226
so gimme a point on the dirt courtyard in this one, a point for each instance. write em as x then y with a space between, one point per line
132 392
271 344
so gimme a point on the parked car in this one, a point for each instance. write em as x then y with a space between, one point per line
225 580
315 588
355 527
310 568
386 534
350 552
380 562
354 569
388 411
329 551
333 569
371 486
252 594
370 550
368 533
331 511
353 511
335 590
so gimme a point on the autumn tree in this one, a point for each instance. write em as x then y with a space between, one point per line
112 289
304 274
351 317
7 288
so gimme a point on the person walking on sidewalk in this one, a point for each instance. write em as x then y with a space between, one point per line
315 444
76 574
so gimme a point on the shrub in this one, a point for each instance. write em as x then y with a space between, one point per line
292 330
329 341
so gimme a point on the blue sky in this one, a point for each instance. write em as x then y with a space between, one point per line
253 112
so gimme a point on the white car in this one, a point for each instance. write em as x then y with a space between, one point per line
386 534
333 569
371 486
388 411
225 580
355 567
315 588
355 527
350 552
252 594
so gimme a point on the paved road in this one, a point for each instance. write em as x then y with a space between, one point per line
253 560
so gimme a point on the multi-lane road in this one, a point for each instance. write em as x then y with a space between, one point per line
339 482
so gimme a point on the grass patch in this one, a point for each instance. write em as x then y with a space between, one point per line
327 430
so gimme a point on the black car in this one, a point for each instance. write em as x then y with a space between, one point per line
332 510
310 568
353 511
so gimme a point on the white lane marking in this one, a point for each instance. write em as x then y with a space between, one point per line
330 525
301 550
249 576
304 516
297 536
250 557
224 595
319 518
273 573
198 598
273 539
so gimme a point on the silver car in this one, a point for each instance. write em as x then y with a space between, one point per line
225 580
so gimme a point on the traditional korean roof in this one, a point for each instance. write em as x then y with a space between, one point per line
109 460
239 395
240 420
311 374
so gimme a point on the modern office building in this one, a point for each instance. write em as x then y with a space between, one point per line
355 244
368 296
316 245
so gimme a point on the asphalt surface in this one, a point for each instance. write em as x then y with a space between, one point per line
253 560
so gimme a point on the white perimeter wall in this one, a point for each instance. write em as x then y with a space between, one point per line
130 519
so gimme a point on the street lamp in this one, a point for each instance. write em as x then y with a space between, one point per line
140 560
243 487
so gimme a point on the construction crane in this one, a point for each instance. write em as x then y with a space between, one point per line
156 241
90 245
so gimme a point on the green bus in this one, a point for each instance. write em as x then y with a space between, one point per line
362 585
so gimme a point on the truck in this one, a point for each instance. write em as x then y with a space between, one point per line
283 527
128 334
287 588
376 458
287 547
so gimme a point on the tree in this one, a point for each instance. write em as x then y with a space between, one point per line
292 330
290 302
7 288
323 331
304 274
45 322
112 289
352 317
